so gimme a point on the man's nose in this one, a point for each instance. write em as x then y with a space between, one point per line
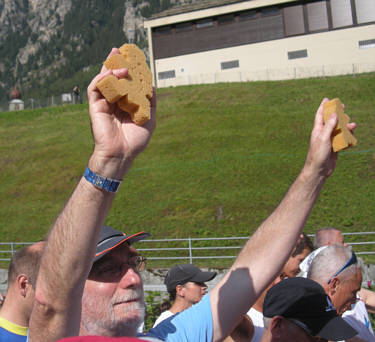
130 278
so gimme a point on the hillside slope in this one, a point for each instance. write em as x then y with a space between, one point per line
220 160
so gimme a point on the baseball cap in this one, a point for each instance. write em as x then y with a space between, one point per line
181 274
305 301
111 238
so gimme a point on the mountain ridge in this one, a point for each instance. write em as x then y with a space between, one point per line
45 43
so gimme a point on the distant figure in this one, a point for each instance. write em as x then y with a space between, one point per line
15 94
16 309
76 95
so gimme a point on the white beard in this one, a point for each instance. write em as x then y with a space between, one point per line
103 318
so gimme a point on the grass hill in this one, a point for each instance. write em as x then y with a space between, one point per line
220 160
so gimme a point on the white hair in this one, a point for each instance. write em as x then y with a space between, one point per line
330 260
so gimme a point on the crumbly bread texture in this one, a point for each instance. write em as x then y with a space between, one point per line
342 138
133 93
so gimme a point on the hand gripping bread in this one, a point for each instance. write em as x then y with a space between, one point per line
132 94
342 138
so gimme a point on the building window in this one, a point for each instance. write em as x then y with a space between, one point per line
317 16
184 27
205 23
365 11
297 54
162 29
293 20
230 64
341 13
267 11
166 74
223 19
366 44
246 15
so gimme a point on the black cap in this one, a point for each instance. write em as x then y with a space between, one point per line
181 274
305 300
111 238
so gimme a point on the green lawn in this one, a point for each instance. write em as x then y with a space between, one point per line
219 162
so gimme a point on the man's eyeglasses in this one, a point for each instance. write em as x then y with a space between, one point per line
351 261
111 271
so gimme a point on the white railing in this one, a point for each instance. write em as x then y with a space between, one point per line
190 249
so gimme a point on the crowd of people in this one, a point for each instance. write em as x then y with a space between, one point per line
83 282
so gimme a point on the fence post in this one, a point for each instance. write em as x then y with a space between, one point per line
190 252
12 248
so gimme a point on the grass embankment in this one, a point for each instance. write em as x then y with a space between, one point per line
219 162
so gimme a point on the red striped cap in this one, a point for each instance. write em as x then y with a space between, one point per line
111 238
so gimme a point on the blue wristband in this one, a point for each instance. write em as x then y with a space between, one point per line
107 184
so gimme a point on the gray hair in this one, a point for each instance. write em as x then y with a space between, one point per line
323 237
329 261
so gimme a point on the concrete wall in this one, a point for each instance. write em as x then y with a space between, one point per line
328 53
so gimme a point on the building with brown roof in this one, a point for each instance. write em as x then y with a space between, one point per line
227 40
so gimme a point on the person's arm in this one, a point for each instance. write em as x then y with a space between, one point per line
264 255
72 240
369 298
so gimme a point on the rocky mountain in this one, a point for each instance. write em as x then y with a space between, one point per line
46 46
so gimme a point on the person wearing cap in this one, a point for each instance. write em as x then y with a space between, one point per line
298 309
186 286
72 241
103 295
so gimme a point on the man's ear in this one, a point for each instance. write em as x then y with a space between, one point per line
23 284
333 287
180 290
277 327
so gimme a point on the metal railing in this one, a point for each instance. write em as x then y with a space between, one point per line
190 249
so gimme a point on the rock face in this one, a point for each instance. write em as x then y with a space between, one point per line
42 40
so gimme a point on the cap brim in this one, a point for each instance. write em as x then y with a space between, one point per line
336 330
203 276
117 241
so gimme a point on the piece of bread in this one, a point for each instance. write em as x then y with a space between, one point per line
342 137
134 92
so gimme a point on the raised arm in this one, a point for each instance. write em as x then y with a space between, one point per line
72 240
264 255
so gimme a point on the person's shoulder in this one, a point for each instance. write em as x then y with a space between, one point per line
164 315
